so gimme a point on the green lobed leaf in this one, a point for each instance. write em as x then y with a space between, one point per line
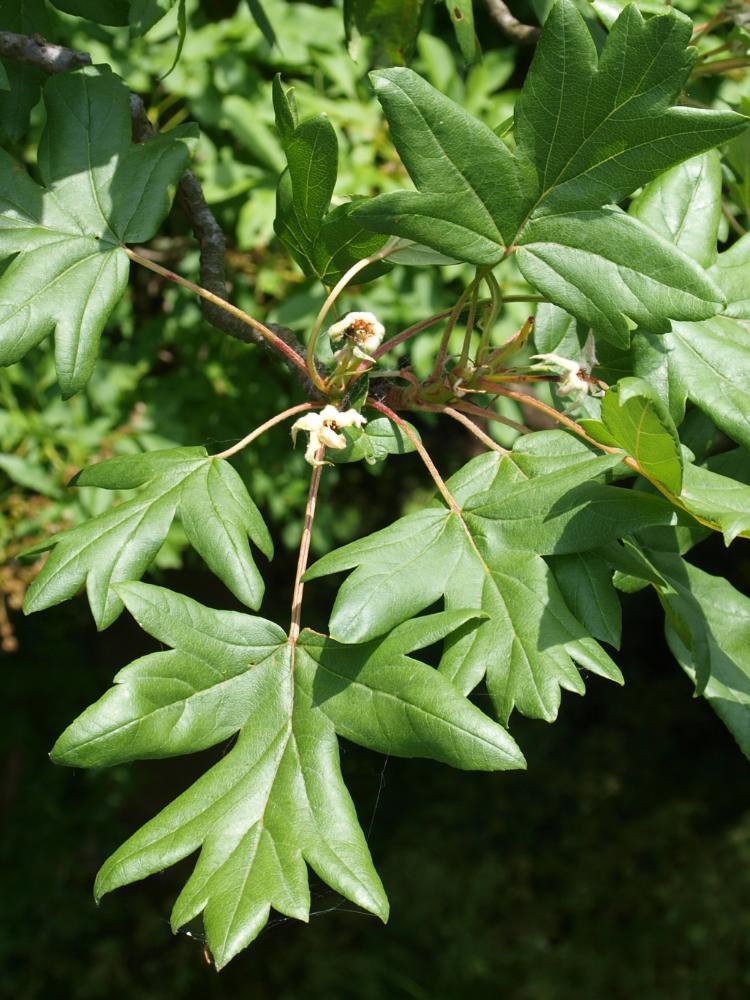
730 273
598 126
585 581
718 499
652 359
707 362
546 497
613 273
191 697
556 332
683 206
206 494
312 153
276 802
101 191
638 421
589 129
380 698
324 243
341 242
722 651
707 625
713 360
285 109
470 199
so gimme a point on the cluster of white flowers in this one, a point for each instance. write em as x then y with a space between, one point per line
323 429
363 334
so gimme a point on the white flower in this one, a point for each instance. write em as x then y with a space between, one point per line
323 429
575 380
363 333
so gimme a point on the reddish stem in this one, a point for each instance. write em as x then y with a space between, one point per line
304 547
300 408
268 335
422 451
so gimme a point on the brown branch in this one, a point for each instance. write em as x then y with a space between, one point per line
36 51
213 248
521 34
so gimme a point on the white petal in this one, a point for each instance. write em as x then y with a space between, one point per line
331 439
566 364
359 353
572 383
311 452
373 342
338 330
329 414
351 418
311 422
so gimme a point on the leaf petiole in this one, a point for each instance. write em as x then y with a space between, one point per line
422 451
304 548
333 295
627 460
249 438
268 335
470 426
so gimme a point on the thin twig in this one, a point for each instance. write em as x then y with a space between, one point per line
469 329
560 418
281 346
521 34
213 248
436 477
496 297
720 66
410 331
709 25
36 51
449 411
304 548
249 438
333 295
480 411
453 318
422 451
